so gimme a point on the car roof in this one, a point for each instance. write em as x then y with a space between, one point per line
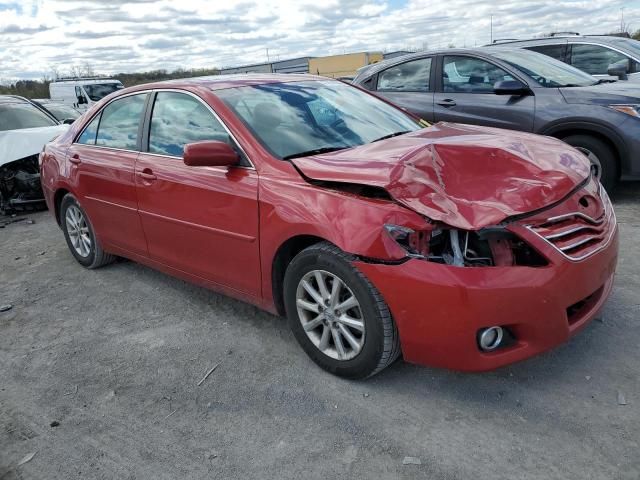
220 82
561 38
7 99
376 67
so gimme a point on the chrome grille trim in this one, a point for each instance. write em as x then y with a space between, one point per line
598 227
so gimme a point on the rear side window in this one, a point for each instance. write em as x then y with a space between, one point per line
120 121
407 77
88 137
559 52
595 59
470 75
179 119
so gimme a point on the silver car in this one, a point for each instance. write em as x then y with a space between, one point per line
603 56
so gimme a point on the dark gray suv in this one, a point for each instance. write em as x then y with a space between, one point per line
520 90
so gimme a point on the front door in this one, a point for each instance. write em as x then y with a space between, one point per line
103 161
200 220
466 96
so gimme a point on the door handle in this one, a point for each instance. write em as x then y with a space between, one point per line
147 174
447 102
75 158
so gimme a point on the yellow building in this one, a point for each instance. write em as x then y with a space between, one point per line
342 65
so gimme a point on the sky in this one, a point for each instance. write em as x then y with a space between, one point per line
112 36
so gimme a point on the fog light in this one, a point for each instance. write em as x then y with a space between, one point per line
490 338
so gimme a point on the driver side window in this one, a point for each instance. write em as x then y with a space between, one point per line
470 75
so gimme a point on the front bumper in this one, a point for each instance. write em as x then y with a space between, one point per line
439 308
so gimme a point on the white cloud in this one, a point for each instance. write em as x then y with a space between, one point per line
129 35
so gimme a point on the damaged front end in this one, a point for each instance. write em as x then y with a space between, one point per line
20 188
487 247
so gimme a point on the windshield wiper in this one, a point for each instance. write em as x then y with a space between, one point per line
315 151
395 134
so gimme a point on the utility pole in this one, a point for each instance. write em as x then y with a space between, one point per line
267 55
622 29
491 29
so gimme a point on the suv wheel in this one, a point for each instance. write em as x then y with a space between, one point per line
600 155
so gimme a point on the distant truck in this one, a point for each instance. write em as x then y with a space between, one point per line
342 66
82 92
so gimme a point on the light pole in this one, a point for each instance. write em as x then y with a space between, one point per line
491 29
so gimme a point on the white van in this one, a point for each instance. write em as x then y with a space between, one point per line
81 93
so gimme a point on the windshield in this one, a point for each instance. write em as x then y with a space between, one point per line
304 118
15 116
547 71
628 44
61 112
98 91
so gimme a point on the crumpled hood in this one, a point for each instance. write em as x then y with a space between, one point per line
465 176
621 92
17 144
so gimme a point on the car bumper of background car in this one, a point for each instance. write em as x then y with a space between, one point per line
439 309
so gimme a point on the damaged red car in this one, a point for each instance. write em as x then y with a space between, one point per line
377 236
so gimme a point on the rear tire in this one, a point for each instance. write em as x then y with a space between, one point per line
367 324
80 236
600 154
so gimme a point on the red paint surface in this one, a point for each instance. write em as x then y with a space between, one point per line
222 227
463 175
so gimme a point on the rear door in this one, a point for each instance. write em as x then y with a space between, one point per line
408 85
200 220
465 95
103 160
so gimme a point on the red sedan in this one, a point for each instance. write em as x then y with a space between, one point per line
455 246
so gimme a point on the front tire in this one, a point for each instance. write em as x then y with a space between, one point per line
80 236
600 155
337 315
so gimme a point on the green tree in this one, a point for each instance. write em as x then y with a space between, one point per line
636 35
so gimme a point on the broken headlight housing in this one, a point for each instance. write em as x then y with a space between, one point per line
488 247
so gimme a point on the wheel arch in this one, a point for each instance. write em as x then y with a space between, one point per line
57 201
601 132
282 258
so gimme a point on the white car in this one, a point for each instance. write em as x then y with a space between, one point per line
24 130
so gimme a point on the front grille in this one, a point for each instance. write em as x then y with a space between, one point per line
576 235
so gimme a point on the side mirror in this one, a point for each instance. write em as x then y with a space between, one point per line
81 99
510 87
619 71
210 154
68 121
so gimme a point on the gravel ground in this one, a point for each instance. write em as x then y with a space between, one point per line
99 373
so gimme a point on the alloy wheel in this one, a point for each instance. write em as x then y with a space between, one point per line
330 315
78 231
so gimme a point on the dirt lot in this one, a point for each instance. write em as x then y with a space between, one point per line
114 356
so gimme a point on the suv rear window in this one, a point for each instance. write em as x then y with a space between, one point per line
410 76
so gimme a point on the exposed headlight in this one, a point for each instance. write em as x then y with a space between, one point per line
633 110
490 247
415 243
